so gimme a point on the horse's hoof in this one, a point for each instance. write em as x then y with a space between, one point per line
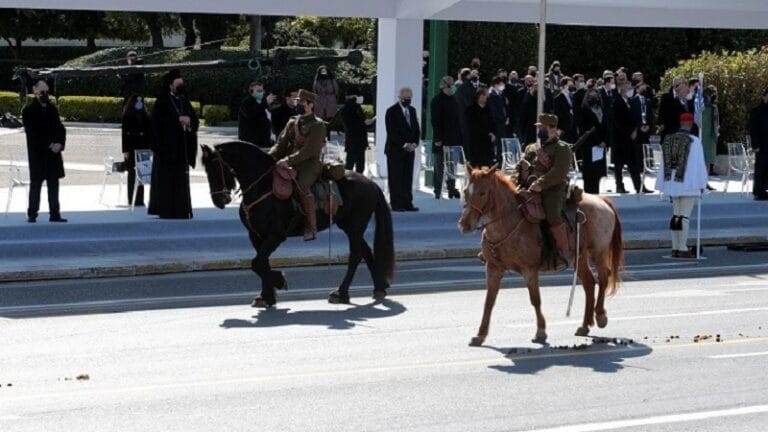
336 297
582 331
477 341
602 320
379 294
259 302
540 338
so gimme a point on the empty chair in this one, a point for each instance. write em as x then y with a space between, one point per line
455 167
511 153
19 177
111 171
739 163
143 169
653 157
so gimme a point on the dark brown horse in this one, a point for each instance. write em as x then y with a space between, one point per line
510 242
270 221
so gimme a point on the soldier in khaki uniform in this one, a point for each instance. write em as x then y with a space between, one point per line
299 147
551 163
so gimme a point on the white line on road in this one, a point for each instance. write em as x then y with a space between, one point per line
660 420
731 356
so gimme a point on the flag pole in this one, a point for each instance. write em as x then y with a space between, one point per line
701 141
542 53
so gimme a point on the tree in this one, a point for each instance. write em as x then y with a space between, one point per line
190 34
256 33
214 28
127 26
86 25
349 32
17 25
159 24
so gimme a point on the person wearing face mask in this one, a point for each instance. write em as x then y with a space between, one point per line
581 91
403 133
465 97
497 104
175 124
514 92
593 135
710 127
135 82
46 137
299 147
481 147
555 76
327 90
642 111
550 160
254 120
445 118
682 177
137 135
626 151
758 134
355 131
608 96
565 110
289 108
671 109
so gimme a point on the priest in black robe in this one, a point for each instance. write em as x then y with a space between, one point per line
175 125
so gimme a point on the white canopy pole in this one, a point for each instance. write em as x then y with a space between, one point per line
542 52
701 140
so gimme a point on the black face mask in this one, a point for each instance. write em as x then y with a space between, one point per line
475 65
474 79
406 102
180 90
44 98
593 102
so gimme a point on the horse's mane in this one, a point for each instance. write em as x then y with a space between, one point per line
245 150
501 178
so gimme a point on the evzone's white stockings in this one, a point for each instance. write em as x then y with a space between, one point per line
681 208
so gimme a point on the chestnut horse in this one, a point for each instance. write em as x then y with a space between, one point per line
510 242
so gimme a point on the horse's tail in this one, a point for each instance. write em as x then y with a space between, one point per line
616 252
383 240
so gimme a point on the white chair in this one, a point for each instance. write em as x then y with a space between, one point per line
653 157
19 177
739 163
510 154
332 152
455 166
111 173
575 173
143 169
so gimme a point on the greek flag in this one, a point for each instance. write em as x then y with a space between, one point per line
698 101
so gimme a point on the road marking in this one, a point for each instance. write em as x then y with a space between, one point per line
731 356
660 420
486 361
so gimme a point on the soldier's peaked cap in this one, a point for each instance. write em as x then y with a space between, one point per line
547 120
307 96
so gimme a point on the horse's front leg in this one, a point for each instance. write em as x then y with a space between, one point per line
355 256
532 281
493 277
269 279
588 281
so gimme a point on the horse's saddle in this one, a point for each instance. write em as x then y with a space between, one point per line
326 192
531 205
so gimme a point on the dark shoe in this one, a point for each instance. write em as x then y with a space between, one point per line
454 194
621 191
310 223
32 219
412 209
437 196
673 254
685 255
761 197
710 188
57 219
648 191
398 209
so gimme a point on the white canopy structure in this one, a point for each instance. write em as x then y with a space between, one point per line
401 22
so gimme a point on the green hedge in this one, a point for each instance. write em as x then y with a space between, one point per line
216 86
740 78
215 114
100 109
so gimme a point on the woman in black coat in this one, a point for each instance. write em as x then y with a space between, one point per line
481 149
137 135
175 125
592 123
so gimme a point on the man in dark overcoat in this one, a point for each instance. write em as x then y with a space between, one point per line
46 138
403 134
447 136
175 125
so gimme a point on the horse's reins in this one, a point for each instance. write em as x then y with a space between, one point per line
494 245
221 162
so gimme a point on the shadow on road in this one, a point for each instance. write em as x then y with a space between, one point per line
600 356
341 319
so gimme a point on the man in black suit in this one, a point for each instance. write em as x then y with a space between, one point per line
673 105
758 132
498 107
46 138
608 96
403 134
253 118
565 110
514 92
446 136
289 108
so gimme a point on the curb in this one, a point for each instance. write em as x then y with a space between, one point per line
244 264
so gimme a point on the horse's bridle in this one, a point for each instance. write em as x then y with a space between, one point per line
225 191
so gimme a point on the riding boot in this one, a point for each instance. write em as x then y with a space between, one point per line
310 221
560 234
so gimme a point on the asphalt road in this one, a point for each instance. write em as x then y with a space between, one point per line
185 353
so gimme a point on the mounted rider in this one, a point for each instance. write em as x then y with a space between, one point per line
550 162
299 147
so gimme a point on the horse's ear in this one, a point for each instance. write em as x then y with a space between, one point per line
494 168
470 168
206 150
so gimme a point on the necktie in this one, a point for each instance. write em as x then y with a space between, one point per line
407 113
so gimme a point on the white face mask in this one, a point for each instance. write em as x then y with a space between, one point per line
690 96
581 85
359 100
611 86
630 93
500 88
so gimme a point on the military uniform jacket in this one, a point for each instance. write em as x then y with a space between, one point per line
551 164
301 143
